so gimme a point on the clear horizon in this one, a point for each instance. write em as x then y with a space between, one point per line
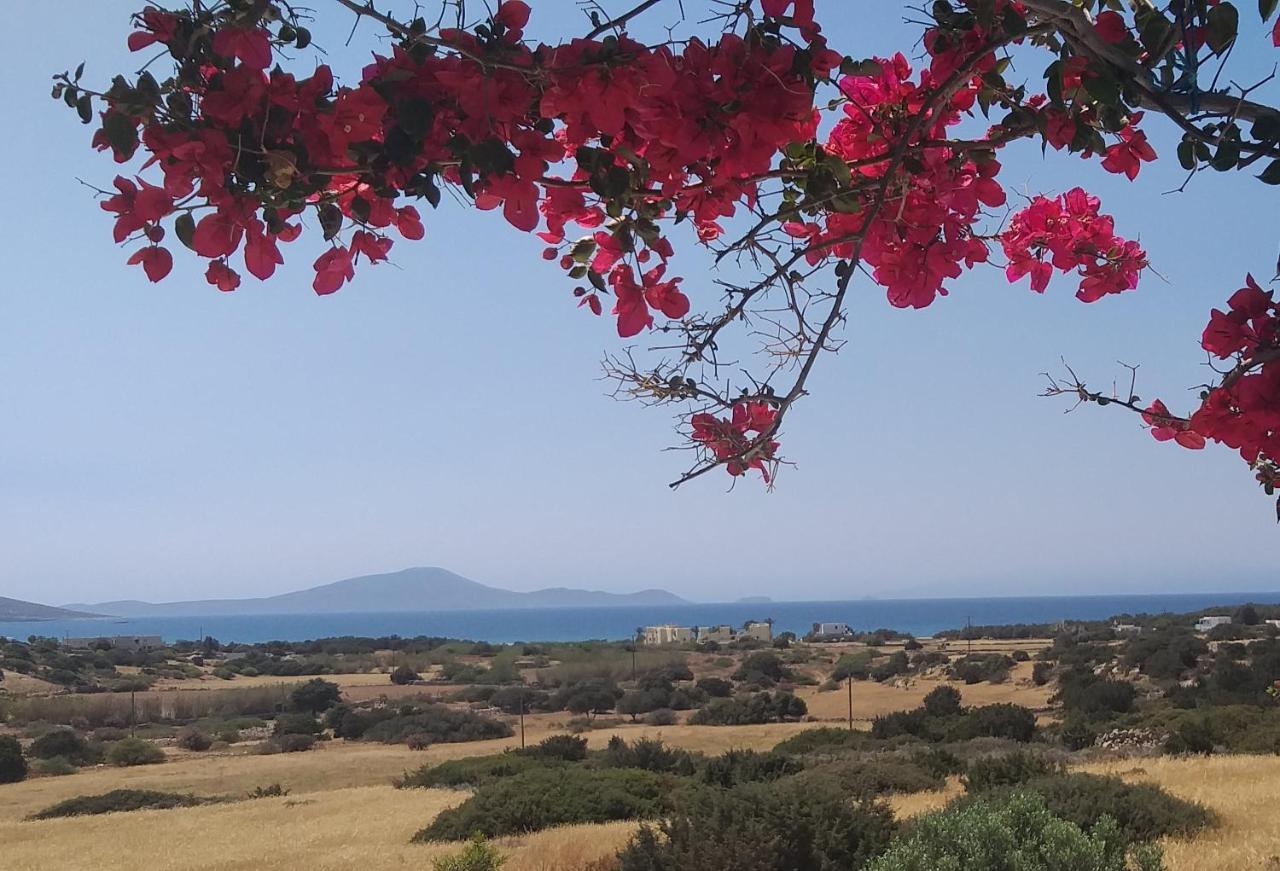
168 442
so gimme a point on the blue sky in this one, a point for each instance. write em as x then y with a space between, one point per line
169 442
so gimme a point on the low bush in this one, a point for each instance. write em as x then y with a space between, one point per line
296 724
315 695
819 740
229 736
119 800
568 748
107 734
761 828
938 762
473 771
13 767
271 790
755 709
747 766
542 798
194 739
647 754
716 687
1008 769
943 701
67 744
979 667
134 751
1142 811
1001 721
55 767
477 855
871 777
442 723
294 742
661 717
1020 832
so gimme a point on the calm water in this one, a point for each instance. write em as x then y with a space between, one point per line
918 616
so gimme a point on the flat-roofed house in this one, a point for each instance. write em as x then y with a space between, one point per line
828 630
1205 624
656 636
719 634
760 630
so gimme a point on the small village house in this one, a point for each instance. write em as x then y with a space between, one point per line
657 636
1127 629
829 630
719 634
760 630
1205 624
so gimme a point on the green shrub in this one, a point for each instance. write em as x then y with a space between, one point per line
1001 721
229 736
134 751
661 717
296 724
403 675
938 762
761 828
1019 834
1196 735
107 734
747 766
473 771
759 708
1041 672
294 742
442 723
569 748
118 800
315 695
194 739
647 754
542 798
716 687
819 740
13 768
65 743
271 790
1008 769
1142 811
942 701
477 855
867 778
979 667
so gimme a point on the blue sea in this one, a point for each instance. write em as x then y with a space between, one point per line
917 616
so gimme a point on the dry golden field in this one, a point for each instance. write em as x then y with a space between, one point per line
342 813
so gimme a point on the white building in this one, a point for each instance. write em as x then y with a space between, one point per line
657 636
118 642
1204 624
719 634
824 630
1127 628
760 630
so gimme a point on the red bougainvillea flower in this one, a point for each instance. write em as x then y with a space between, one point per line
156 261
736 441
1249 324
222 276
136 206
1164 426
1127 156
252 46
513 14
1111 27
156 26
333 269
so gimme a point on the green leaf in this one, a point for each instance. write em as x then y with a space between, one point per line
1266 8
330 220
1266 127
1187 154
1224 24
1271 175
84 107
121 132
184 226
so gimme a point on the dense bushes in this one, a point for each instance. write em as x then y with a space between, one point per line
194 739
66 744
541 798
758 708
1084 693
134 751
761 828
989 721
568 748
976 668
1019 833
315 695
1001 721
118 800
471 771
1008 769
820 739
443 724
477 855
648 754
1143 811
296 724
13 767
943 701
867 778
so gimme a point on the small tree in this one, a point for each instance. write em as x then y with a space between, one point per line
315 695
943 701
134 751
13 768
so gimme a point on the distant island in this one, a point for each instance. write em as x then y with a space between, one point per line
18 611
414 589
754 600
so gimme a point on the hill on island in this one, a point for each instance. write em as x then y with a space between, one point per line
415 589
15 610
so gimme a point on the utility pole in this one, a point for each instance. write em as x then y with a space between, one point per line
849 682
133 712
521 718
968 634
